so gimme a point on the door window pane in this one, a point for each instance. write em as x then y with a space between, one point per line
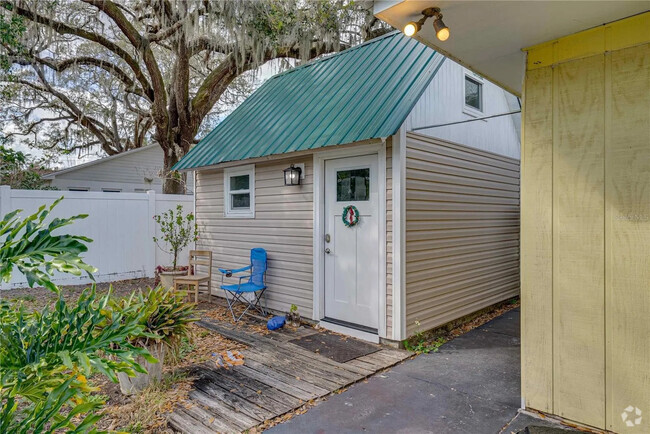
239 182
473 91
353 185
242 200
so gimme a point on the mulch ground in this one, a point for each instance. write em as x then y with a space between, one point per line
38 298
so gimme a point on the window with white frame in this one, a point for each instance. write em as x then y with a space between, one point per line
239 191
473 93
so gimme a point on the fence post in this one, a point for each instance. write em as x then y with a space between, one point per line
5 200
151 252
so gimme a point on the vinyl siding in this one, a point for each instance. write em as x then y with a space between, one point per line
462 231
126 172
282 225
389 237
443 102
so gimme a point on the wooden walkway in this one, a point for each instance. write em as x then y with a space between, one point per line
277 377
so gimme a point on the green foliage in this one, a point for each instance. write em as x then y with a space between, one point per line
29 245
177 230
46 357
419 343
163 314
293 308
11 29
21 171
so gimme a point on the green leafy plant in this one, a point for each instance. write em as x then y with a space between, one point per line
22 171
164 315
29 245
46 357
177 230
293 308
420 344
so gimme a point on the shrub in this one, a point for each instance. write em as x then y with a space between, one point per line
46 357
163 313
177 230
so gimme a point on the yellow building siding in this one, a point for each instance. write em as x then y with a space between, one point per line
609 37
462 231
586 230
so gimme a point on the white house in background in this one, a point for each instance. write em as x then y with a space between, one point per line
134 171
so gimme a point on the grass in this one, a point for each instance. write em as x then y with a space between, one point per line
28 298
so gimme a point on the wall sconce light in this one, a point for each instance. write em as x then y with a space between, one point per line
293 174
442 31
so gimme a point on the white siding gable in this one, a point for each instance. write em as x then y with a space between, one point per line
444 102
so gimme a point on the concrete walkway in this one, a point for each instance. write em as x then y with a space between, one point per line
470 386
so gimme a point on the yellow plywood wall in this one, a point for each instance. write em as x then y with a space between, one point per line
627 235
537 241
586 239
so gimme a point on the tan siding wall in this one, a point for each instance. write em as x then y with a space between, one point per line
462 231
585 238
282 225
389 238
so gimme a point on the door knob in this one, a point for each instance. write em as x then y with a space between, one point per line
327 251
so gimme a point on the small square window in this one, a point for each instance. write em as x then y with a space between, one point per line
353 185
473 93
239 192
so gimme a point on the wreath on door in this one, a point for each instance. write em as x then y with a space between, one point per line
350 216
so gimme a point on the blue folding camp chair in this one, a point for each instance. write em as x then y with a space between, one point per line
256 285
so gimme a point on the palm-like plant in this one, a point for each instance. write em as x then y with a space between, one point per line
46 357
29 245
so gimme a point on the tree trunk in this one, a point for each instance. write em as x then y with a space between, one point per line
173 182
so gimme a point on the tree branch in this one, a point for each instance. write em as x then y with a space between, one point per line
107 66
160 101
64 29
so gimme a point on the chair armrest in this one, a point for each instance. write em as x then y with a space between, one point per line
243 277
236 270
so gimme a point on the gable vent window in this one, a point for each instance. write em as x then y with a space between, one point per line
473 94
239 192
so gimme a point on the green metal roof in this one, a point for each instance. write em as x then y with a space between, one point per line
361 93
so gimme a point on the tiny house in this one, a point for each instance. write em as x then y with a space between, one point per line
383 181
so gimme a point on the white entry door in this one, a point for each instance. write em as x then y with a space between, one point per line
352 252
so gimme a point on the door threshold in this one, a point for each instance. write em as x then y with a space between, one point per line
359 332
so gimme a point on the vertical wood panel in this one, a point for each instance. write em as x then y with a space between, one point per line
628 236
537 242
578 242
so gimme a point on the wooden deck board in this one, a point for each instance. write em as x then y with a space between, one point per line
277 377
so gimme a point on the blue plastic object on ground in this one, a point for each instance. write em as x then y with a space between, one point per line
275 323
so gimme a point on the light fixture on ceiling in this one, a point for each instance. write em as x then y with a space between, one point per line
442 31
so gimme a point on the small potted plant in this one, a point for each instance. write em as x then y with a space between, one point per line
293 317
178 231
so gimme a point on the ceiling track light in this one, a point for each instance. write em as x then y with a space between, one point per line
442 31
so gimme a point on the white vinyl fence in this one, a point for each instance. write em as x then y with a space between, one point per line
121 226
